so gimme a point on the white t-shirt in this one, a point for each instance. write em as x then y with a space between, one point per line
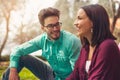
88 62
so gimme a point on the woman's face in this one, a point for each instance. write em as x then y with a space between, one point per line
83 23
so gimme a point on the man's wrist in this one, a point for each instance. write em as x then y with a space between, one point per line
13 69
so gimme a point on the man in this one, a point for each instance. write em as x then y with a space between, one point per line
60 48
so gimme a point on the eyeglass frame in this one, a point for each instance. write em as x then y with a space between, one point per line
51 26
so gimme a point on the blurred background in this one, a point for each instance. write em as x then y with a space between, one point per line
19 19
19 23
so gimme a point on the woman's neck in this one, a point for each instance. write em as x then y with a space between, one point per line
91 51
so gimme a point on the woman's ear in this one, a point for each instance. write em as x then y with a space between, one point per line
91 24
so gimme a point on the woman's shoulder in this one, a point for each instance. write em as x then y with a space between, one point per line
108 42
108 45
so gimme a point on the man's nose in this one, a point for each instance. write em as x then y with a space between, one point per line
55 27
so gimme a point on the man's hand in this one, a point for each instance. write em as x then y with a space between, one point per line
13 74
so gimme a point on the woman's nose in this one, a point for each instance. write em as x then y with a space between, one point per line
75 22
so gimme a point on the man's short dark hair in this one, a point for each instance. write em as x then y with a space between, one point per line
47 12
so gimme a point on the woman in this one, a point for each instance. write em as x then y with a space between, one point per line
100 57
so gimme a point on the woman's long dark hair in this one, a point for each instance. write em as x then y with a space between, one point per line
101 25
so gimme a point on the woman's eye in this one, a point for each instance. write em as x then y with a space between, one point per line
79 18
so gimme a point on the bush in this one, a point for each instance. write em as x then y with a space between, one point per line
5 58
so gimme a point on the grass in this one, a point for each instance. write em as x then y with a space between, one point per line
1 71
25 74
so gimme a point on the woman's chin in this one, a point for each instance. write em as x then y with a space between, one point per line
79 34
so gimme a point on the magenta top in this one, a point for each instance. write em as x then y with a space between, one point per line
105 63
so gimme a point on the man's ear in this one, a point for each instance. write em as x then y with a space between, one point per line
42 28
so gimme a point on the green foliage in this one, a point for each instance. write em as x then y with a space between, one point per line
2 69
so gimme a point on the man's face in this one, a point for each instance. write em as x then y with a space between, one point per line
52 27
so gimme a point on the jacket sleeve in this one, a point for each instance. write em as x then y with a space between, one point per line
74 50
24 49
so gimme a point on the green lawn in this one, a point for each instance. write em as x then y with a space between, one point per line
1 71
24 74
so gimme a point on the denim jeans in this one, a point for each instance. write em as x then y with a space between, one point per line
35 65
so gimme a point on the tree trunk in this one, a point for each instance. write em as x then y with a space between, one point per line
6 36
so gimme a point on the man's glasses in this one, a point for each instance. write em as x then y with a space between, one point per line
51 26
